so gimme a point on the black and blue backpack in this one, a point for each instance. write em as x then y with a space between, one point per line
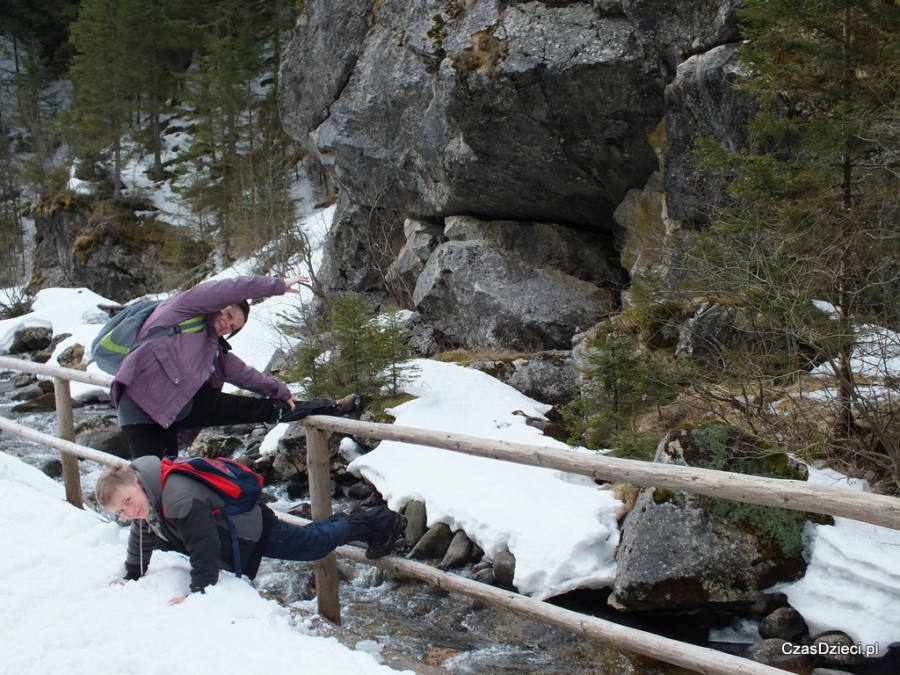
118 337
239 487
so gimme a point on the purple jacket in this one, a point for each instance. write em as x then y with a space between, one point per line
164 374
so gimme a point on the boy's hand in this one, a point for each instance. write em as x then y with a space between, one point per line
177 600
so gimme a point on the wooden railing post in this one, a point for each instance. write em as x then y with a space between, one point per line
66 422
318 463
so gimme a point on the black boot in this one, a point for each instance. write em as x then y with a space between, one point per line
317 406
378 526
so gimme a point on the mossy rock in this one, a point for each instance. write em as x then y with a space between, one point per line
721 447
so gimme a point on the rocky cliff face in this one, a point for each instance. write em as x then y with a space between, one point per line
531 112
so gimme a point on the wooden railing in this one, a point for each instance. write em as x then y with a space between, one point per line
791 494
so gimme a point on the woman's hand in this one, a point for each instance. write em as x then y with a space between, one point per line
290 281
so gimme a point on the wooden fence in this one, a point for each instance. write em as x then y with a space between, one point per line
791 494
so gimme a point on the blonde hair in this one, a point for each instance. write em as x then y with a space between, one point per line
115 477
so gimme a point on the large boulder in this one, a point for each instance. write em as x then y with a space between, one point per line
524 111
680 550
486 287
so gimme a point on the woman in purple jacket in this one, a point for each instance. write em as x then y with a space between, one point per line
174 383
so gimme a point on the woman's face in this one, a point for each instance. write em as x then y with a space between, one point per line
229 320
129 502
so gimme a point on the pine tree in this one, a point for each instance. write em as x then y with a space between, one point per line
354 352
620 381
107 73
817 198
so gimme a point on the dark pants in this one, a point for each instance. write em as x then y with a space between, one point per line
211 408
306 542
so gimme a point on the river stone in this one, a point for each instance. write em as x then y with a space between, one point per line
29 393
43 403
433 544
416 522
459 553
72 357
838 640
504 568
33 339
53 468
211 444
771 653
785 623
102 433
23 380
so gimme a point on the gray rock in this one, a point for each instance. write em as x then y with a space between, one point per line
212 444
772 653
459 553
785 623
547 376
840 643
72 357
28 393
504 568
433 544
43 403
416 521
394 96
475 295
703 102
484 576
422 238
103 434
681 550
23 380
30 339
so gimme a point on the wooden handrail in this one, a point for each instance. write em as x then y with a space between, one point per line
789 494
60 444
99 379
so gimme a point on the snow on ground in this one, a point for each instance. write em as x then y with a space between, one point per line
560 527
852 583
59 612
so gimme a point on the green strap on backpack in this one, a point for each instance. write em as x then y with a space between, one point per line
118 338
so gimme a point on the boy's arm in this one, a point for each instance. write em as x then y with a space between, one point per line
199 533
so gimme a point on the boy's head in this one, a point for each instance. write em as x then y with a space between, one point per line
119 491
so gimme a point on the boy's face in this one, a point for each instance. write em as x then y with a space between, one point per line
129 502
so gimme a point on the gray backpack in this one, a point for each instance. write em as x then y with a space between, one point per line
118 338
